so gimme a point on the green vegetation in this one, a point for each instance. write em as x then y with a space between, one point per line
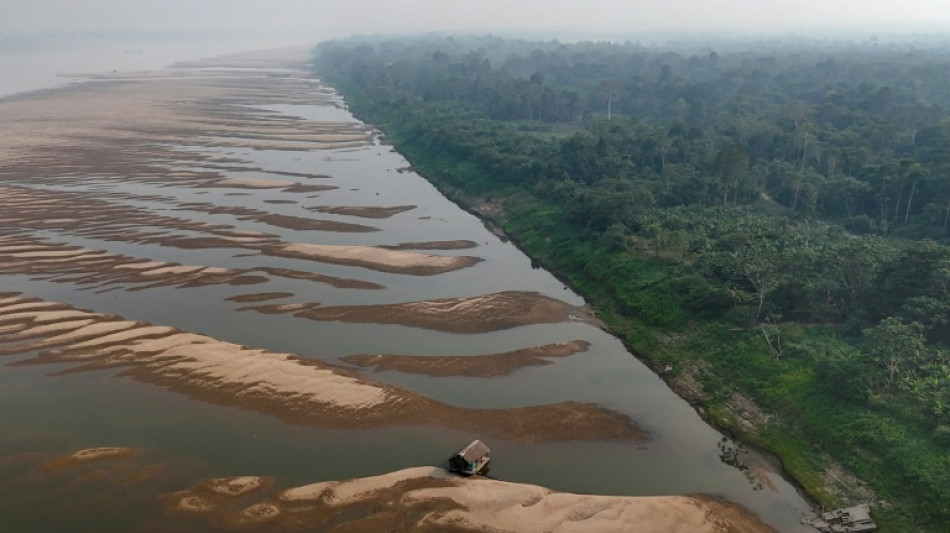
773 225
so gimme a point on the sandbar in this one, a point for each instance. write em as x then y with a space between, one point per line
298 390
483 366
260 296
88 455
428 498
434 245
375 258
363 211
478 314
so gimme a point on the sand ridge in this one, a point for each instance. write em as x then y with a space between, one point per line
431 499
477 314
99 269
492 365
88 455
25 208
375 258
298 390
362 211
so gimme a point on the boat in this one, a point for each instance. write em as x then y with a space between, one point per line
471 460
855 519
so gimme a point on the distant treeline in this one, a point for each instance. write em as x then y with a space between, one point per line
782 213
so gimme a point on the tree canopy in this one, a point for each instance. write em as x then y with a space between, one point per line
796 197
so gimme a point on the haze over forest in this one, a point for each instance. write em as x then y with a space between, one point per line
303 22
751 198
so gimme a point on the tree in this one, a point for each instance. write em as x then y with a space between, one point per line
731 168
609 89
759 265
892 344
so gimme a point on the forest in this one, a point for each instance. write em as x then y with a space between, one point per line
770 219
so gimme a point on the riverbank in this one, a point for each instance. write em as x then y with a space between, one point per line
531 224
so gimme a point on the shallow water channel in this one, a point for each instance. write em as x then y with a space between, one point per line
44 412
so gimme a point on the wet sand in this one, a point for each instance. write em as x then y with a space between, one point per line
260 296
478 314
362 211
434 245
88 455
482 366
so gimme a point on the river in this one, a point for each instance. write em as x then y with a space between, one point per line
44 412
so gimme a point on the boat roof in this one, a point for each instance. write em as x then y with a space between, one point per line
474 450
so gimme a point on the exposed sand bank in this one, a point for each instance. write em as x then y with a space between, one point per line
483 366
160 107
362 211
27 209
375 258
431 499
478 314
60 262
434 245
88 455
260 296
302 391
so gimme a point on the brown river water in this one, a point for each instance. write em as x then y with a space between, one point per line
223 197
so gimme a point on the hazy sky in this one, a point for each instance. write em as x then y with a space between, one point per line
313 20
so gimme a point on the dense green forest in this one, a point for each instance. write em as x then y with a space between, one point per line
768 219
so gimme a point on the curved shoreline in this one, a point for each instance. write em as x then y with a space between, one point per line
488 215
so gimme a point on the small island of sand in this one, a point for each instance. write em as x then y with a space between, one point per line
483 366
477 314
295 389
432 499
88 455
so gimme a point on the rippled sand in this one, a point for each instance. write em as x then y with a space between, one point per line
300 390
431 499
